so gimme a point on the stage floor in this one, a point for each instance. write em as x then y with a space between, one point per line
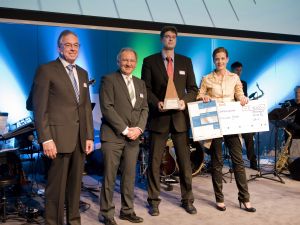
276 203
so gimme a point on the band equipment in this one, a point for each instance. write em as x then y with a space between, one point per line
294 168
24 130
253 97
278 116
227 157
11 172
170 166
197 157
282 162
10 177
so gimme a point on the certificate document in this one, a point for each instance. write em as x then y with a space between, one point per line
212 119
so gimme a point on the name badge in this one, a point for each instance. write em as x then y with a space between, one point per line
181 72
141 95
84 85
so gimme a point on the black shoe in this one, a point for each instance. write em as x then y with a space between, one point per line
251 209
131 217
153 210
109 221
189 208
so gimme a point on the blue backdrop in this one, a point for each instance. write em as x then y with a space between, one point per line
274 67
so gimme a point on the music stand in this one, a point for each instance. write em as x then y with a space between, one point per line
277 115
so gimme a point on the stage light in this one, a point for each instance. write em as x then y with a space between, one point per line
12 98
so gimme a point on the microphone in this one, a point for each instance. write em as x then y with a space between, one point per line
262 92
252 95
285 104
91 82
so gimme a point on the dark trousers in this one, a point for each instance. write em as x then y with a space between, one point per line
63 187
157 147
123 155
249 143
235 150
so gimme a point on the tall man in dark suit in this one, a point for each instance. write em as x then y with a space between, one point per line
63 119
237 68
123 102
164 122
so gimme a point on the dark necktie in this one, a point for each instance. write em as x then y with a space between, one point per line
170 67
73 81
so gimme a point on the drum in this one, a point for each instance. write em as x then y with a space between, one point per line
10 165
169 160
168 164
197 157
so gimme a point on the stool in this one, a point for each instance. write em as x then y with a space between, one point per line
5 182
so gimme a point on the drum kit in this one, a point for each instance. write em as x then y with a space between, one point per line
169 168
169 164
12 176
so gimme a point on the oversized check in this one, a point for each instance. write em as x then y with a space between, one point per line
212 119
204 120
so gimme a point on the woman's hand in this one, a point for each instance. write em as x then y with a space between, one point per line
206 98
244 100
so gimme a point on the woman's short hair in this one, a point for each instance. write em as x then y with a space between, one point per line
220 49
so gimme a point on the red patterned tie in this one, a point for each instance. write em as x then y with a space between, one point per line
170 67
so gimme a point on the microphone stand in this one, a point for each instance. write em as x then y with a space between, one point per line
259 171
274 172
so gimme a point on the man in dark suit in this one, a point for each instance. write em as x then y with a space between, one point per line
123 102
63 119
164 122
294 126
237 68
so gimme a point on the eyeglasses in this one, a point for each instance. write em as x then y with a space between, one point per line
170 36
128 60
69 45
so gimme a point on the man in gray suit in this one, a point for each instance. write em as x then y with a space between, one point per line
123 102
63 119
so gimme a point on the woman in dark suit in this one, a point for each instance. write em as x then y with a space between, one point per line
224 86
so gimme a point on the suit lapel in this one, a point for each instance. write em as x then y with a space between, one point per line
80 83
137 90
176 67
65 78
161 66
123 85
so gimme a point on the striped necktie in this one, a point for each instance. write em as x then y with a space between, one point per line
73 81
131 91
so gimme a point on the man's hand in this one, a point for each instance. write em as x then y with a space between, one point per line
181 105
89 146
50 149
160 106
244 101
133 133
